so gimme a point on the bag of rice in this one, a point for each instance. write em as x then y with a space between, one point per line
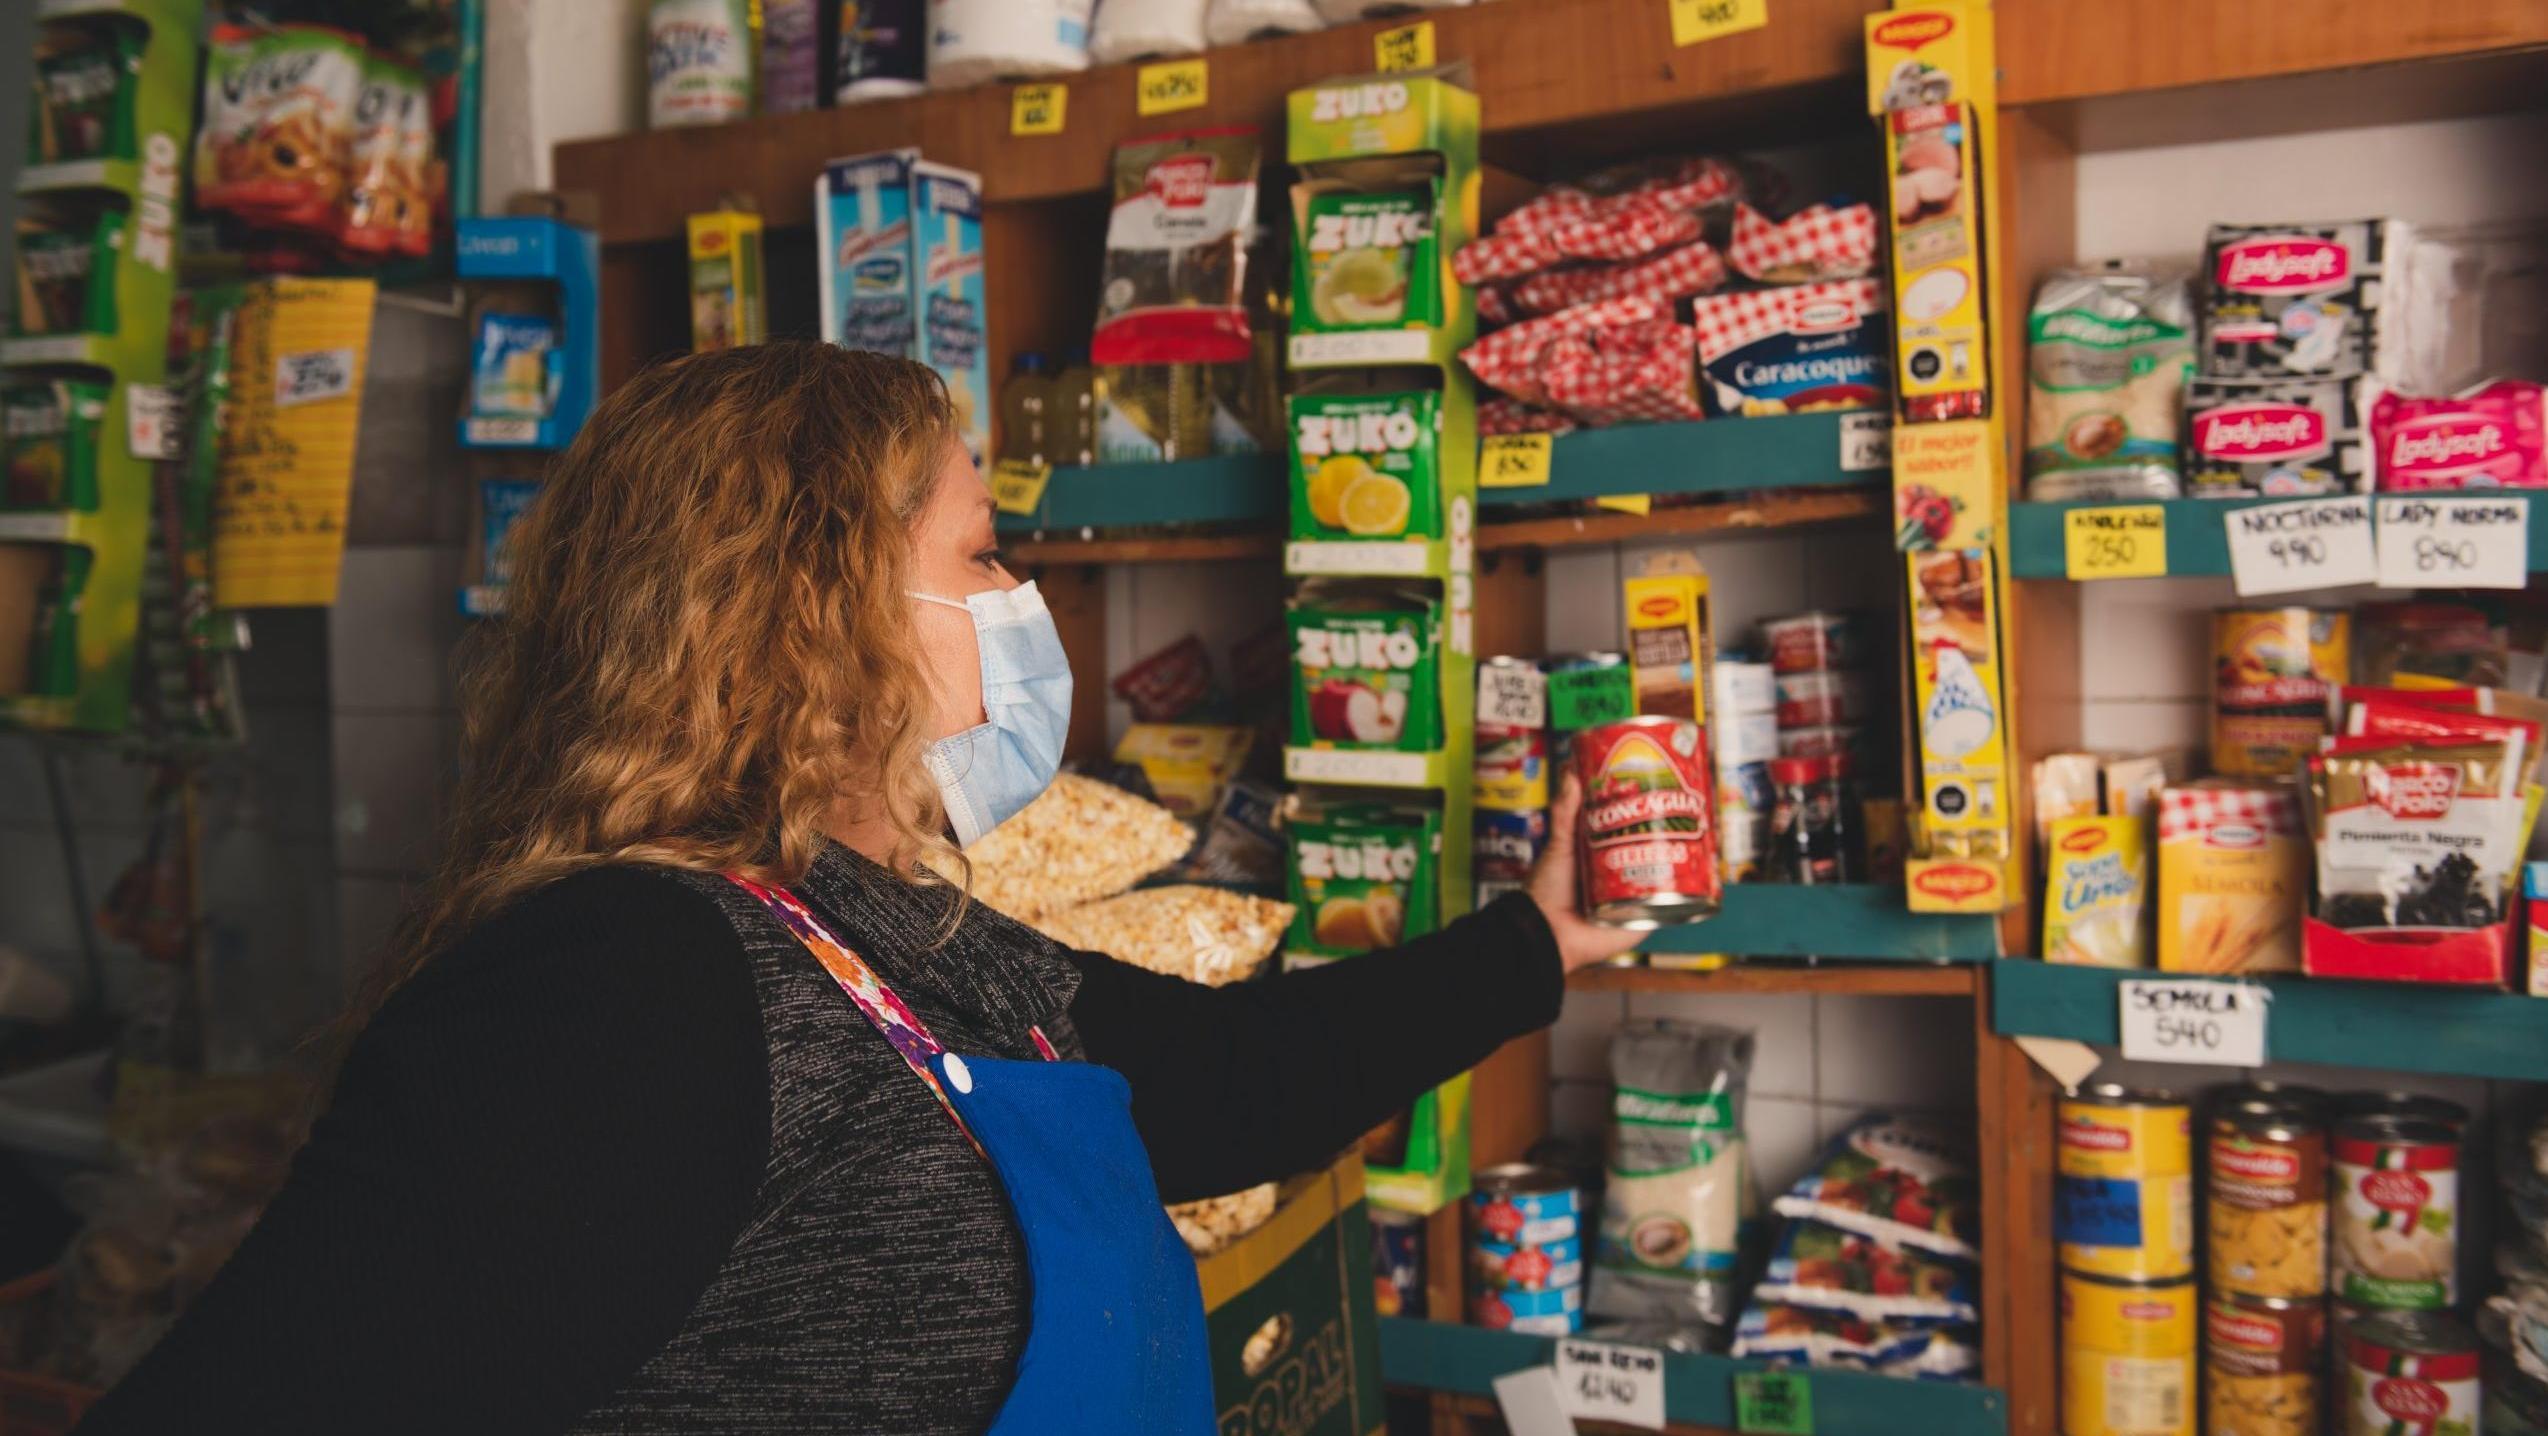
1207 935
1082 840
1902 1180
1673 1213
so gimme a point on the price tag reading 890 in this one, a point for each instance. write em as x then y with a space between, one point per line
2126 542
2455 542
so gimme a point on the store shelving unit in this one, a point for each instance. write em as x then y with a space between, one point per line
2197 541
1566 82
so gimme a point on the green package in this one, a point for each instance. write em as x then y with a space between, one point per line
1364 675
66 275
83 107
1366 260
51 444
1366 466
1363 876
54 656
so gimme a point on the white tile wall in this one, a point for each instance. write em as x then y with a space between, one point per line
392 773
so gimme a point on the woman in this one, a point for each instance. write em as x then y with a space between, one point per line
689 1106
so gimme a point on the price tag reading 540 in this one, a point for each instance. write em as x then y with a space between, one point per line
2192 1020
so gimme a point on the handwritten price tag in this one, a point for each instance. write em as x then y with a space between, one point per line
153 418
313 375
1018 487
1171 85
2309 543
2126 542
2221 1024
1514 461
1038 109
1601 1382
1774 1403
2455 542
1409 47
1697 20
1866 442
1586 697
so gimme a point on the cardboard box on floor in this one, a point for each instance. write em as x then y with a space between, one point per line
1295 1342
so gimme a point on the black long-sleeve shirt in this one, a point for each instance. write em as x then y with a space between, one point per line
624 1159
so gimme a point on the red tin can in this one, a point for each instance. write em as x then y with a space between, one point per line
1647 841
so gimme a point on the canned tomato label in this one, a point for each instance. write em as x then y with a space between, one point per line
1397 1263
2273 670
2396 1217
2127 1357
2409 1374
2260 1365
1649 837
2266 1218
2123 1189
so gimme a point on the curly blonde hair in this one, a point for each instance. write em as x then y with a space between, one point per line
706 641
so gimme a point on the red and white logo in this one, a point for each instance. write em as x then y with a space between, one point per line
2445 443
2403 1398
1910 32
2092 1137
1183 182
2417 792
1501 1219
2396 1191
2247 1331
1823 316
2283 264
2260 432
2265 1166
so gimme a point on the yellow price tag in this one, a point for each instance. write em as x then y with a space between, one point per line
2130 541
1513 461
1017 487
1171 85
1409 47
1697 20
1038 109
1638 504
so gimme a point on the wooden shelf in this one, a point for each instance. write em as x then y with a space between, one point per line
1773 509
2197 540
2054 50
1540 65
1855 979
1166 548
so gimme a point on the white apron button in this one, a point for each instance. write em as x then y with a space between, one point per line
958 1075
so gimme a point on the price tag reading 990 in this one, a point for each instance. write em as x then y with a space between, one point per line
2455 542
2130 541
2305 544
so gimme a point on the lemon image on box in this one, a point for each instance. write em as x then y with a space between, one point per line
1364 466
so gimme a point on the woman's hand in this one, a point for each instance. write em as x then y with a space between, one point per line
1552 886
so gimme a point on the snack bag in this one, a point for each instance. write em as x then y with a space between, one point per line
1903 1180
1175 285
1366 465
277 129
1694 268
1828 1268
1678 1195
52 444
2107 358
1202 934
1364 675
2233 861
1787 1335
83 94
392 185
2491 437
1361 876
1081 841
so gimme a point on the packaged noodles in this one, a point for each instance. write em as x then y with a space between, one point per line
2233 865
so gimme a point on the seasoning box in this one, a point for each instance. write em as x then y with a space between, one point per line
2233 873
1361 877
1186 764
2096 892
727 307
862 234
1928 55
1366 466
1963 739
1669 644
1941 356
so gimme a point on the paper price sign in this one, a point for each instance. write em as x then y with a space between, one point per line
1171 85
1774 1403
2457 542
2126 542
1018 487
1587 697
153 416
2221 1024
1409 47
1866 442
1697 20
1601 1382
313 375
2309 543
1038 109
1513 461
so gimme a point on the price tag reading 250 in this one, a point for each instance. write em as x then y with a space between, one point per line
2124 542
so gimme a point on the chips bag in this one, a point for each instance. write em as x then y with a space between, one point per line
1834 1269
393 185
277 128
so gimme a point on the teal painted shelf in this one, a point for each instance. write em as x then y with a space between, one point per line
1850 921
1697 1390
2402 1027
2198 545
1792 451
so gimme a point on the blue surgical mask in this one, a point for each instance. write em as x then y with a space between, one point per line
987 773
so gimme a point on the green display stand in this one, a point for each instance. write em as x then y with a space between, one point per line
1409 134
104 607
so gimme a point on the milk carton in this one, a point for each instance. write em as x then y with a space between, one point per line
947 297
901 272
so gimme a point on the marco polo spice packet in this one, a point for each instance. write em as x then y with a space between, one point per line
1361 877
1366 466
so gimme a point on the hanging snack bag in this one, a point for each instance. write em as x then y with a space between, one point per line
2491 437
2416 833
2282 300
1175 286
699 62
393 185
1674 1209
1902 1180
1365 260
1361 877
52 444
58 268
1835 1270
1786 351
275 142
2295 438
1365 466
1364 673
2107 358
83 94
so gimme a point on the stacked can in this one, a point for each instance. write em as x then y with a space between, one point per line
1397 1263
2265 1241
2393 1213
2123 1216
1744 726
1526 1251
1511 772
1822 695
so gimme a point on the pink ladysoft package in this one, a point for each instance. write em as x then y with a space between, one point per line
2494 436
1814 245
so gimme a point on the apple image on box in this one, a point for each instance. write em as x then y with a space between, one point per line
1343 711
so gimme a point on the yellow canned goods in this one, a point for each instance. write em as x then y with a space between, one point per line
2123 1186
2127 1356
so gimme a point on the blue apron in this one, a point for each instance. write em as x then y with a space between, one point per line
1115 1332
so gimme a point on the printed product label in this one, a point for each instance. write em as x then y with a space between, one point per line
1362 878
1366 261
1366 466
